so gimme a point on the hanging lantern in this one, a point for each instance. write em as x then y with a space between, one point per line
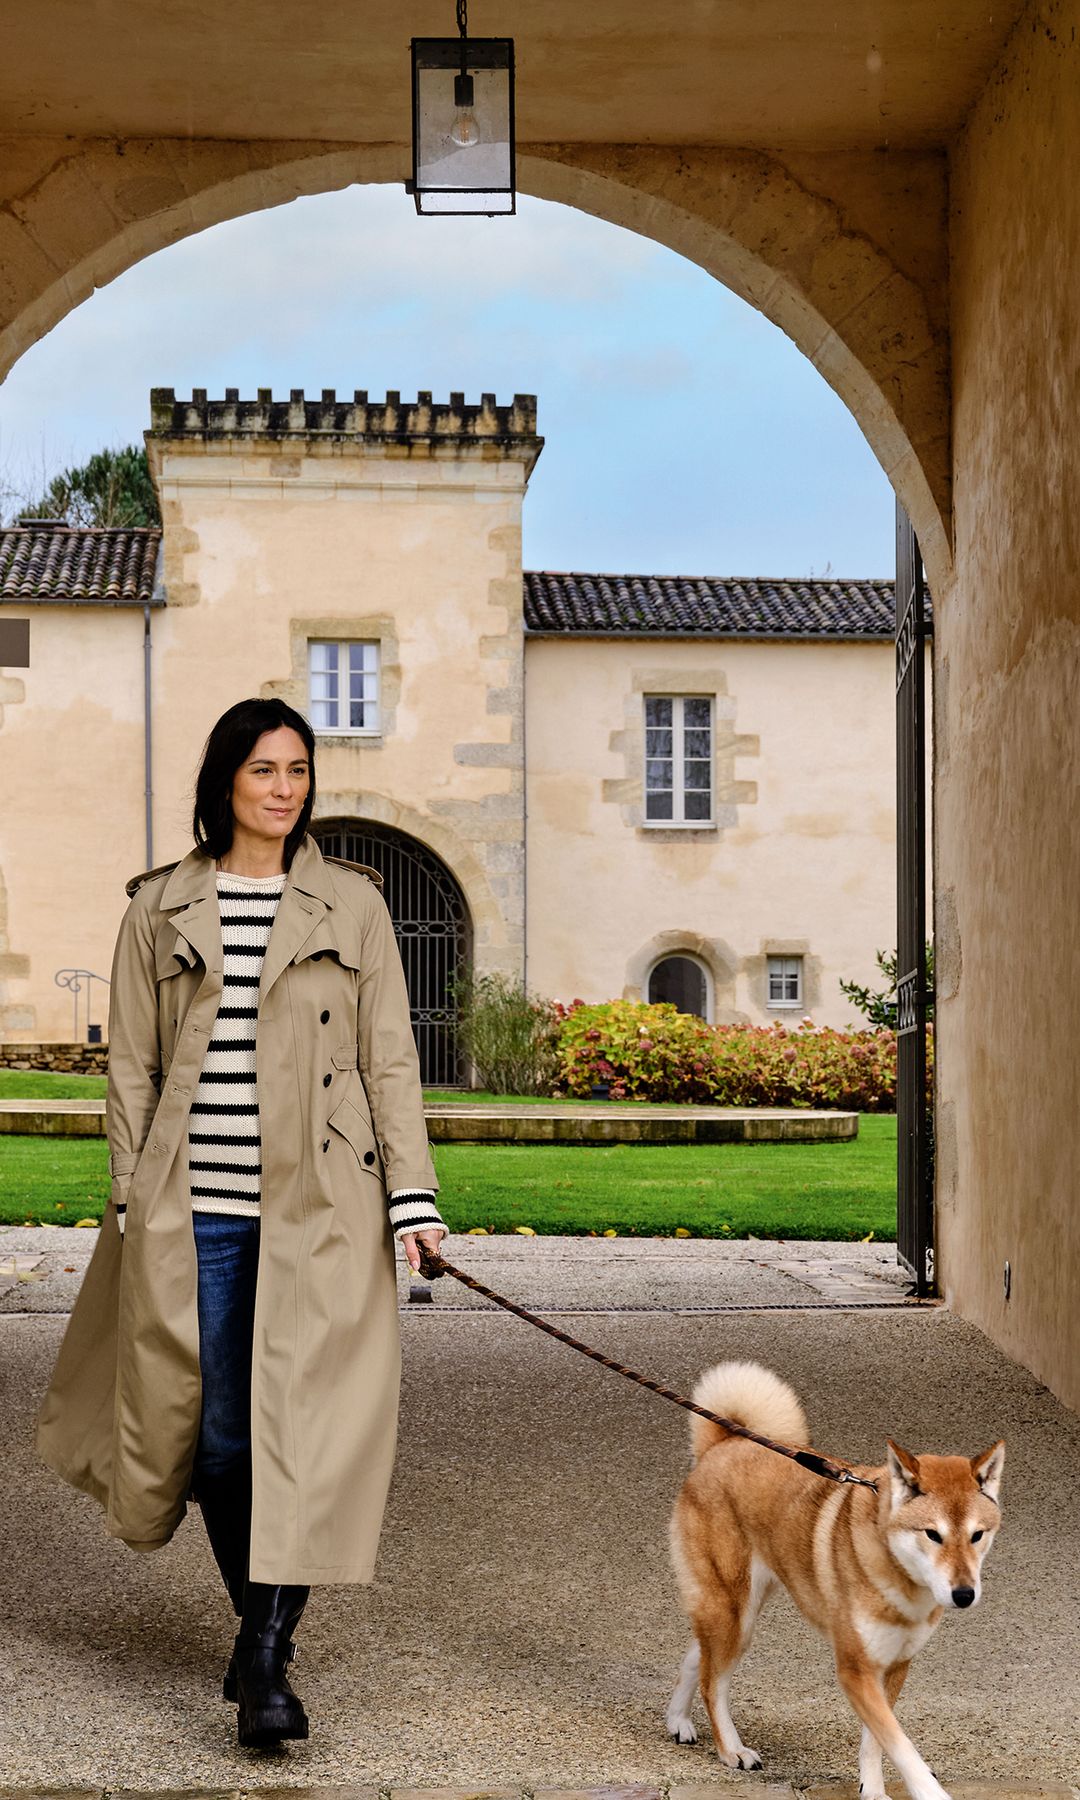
463 123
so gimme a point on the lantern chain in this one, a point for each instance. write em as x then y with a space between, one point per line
463 17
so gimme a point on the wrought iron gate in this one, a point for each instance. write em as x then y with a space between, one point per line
914 1172
431 924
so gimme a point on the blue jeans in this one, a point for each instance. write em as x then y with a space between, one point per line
228 1253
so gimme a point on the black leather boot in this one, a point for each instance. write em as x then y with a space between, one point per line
268 1709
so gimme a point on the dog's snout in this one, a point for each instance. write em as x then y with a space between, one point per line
963 1596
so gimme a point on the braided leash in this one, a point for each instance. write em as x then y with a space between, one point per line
432 1266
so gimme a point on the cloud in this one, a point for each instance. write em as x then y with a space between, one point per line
683 430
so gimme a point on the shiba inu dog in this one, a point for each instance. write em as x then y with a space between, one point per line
874 1572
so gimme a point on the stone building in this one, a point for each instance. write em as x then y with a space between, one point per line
609 785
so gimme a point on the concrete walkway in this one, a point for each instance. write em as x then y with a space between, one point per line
523 1633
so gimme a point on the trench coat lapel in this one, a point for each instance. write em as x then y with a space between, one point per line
307 898
191 890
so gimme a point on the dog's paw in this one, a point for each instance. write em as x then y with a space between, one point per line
872 1793
684 1731
742 1758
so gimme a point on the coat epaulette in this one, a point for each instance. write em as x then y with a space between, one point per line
132 887
369 874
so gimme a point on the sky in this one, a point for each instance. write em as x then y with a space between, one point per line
684 433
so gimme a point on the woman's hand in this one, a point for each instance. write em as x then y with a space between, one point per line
431 1238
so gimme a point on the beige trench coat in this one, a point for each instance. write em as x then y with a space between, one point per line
341 1118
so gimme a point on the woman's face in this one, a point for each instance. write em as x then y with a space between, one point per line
269 789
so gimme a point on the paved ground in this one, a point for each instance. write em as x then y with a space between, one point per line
523 1631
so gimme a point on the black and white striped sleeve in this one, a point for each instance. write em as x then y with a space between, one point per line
414 1209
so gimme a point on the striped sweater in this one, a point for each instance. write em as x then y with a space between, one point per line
224 1145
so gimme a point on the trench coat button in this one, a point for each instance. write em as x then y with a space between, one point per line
326 1146
369 1156
324 1018
326 1080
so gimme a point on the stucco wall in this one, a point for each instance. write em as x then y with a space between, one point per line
1008 774
72 821
802 859
261 552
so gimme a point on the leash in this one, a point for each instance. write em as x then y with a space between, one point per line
432 1266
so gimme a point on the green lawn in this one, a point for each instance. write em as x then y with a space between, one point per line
711 1190
38 1084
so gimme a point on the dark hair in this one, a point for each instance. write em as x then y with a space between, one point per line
229 745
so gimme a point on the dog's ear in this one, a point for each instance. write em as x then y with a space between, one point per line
903 1473
988 1469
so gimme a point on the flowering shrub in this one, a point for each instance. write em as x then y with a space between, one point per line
656 1053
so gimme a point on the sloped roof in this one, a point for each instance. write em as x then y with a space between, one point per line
63 565
49 564
706 606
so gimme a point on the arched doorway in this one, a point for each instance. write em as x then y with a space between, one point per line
681 981
432 927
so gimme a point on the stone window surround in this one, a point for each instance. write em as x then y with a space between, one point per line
756 969
377 628
628 790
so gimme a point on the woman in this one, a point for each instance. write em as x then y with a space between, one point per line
236 1337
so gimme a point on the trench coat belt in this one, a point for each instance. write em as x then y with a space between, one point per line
345 1057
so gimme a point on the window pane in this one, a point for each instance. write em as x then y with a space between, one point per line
696 743
658 742
358 719
323 656
658 712
361 656
697 712
658 806
658 773
698 806
696 775
791 987
323 715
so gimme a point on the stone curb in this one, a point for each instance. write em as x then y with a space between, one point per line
453 1123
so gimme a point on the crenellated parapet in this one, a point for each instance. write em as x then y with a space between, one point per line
420 427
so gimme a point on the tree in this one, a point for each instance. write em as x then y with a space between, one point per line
880 1008
113 488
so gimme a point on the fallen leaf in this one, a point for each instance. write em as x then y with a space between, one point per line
477 1231
91 1222
611 1232
524 1231
681 1231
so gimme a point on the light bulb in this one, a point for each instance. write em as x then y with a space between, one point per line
464 132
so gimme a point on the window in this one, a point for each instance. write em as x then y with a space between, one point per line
682 982
678 759
785 981
344 686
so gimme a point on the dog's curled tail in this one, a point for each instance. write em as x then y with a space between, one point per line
751 1396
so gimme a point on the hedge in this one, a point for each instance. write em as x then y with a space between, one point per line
657 1053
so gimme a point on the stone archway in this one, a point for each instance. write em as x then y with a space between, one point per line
846 254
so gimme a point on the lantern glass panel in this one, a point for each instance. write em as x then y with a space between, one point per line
455 178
